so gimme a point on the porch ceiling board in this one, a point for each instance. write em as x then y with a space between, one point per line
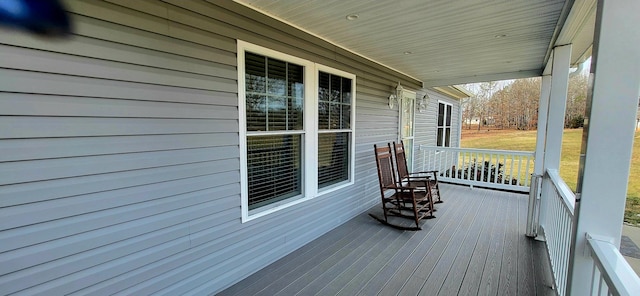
450 41
475 246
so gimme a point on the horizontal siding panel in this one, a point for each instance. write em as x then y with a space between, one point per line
181 41
12 195
26 278
42 232
47 83
37 170
20 127
66 207
119 15
33 149
48 105
107 50
170 227
48 62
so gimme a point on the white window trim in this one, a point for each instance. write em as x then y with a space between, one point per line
444 122
310 132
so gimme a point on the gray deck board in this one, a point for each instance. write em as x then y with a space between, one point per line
475 246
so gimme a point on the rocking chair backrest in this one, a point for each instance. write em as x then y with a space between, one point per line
401 161
386 175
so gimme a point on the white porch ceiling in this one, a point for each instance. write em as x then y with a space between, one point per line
441 42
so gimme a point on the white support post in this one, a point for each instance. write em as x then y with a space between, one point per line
608 133
555 116
533 213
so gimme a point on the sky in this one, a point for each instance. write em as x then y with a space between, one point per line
475 87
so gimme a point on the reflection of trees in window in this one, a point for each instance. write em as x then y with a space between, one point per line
274 94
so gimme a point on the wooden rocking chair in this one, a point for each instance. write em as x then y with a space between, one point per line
405 202
411 178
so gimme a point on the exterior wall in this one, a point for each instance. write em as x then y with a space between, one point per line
426 124
119 158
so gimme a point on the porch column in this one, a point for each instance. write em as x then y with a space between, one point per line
557 104
608 134
538 171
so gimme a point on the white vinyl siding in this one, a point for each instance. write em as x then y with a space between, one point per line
120 166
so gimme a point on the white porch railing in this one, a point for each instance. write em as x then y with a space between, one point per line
499 169
558 226
611 274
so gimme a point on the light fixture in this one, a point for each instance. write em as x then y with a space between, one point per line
394 98
352 17
423 103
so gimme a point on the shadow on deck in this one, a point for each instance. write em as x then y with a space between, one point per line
475 246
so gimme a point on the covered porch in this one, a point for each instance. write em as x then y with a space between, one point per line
580 231
475 246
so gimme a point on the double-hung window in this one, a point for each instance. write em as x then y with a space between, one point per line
443 137
296 129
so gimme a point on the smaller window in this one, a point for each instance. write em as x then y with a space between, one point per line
443 134
334 128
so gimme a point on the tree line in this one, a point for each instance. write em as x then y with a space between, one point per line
515 105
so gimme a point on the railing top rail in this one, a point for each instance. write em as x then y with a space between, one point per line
514 152
563 189
615 270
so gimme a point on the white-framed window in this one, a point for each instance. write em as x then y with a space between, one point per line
296 129
443 133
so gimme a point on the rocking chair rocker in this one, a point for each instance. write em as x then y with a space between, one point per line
405 202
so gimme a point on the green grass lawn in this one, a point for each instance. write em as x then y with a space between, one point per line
570 157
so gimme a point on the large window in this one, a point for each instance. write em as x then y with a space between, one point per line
296 122
444 125
274 92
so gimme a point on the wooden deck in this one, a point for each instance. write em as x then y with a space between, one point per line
475 246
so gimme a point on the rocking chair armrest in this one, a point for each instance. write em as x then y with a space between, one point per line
426 172
403 188
418 178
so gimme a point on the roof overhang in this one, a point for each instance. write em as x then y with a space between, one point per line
446 42
453 91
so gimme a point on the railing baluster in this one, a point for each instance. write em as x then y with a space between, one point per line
478 166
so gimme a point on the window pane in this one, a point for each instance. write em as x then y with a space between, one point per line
346 117
256 113
447 137
336 87
274 168
295 78
439 137
448 115
346 90
255 73
276 113
323 115
335 116
295 114
277 77
323 87
440 114
333 158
